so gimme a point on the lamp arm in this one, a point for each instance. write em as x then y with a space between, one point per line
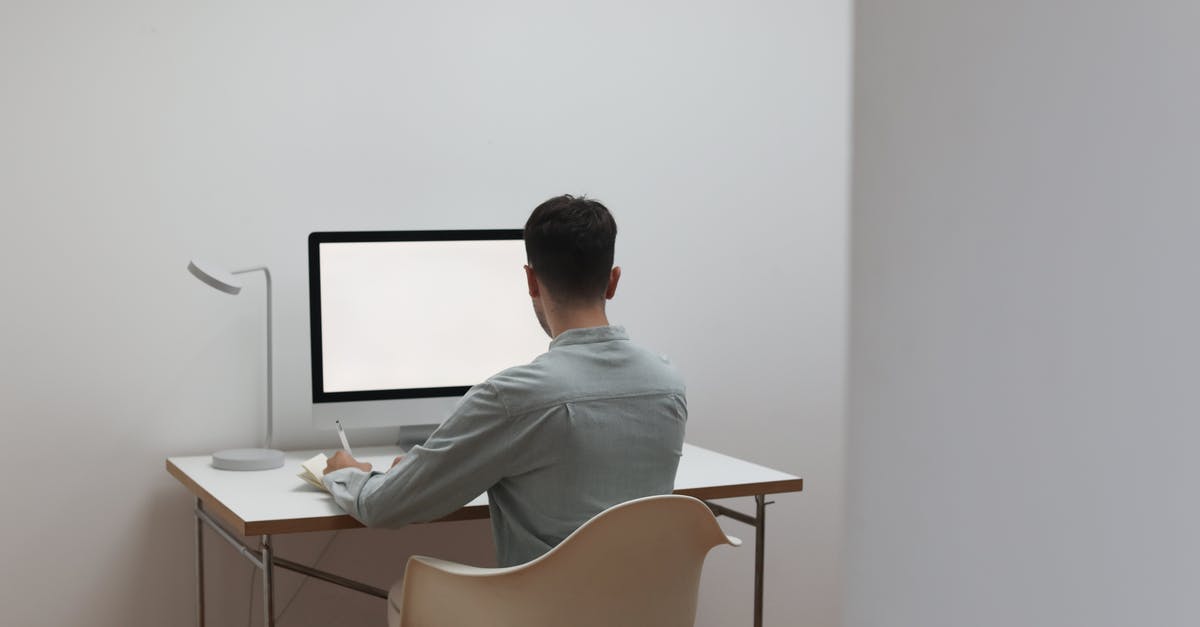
270 356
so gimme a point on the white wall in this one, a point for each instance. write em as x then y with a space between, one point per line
134 135
1023 406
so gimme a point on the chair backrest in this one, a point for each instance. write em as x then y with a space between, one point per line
637 563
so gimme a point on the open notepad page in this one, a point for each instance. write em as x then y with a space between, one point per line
313 470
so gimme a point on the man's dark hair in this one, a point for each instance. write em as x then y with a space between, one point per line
569 242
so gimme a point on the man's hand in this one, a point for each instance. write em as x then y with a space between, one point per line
342 459
397 460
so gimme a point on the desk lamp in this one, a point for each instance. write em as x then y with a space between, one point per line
244 458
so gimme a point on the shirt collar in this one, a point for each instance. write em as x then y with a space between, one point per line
590 335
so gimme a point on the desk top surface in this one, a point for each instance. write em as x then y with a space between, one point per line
278 501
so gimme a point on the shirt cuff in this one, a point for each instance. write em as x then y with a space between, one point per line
348 486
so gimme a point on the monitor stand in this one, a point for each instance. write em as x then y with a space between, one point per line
412 435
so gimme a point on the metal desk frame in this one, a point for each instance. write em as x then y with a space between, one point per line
265 560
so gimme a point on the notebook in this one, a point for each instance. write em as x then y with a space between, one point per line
313 469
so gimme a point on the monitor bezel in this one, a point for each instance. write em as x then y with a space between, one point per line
315 239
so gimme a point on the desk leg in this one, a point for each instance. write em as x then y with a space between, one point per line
759 522
199 567
760 537
268 572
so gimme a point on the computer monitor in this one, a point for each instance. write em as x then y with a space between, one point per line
403 323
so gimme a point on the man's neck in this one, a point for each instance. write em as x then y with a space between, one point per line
566 319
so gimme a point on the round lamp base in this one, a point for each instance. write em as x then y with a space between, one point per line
247 459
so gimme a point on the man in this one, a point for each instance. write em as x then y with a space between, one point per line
595 421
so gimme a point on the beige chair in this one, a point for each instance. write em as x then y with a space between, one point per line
637 563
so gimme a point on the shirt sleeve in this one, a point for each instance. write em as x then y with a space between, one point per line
464 457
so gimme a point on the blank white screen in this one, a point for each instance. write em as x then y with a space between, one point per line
398 315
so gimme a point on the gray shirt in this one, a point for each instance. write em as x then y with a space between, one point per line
595 421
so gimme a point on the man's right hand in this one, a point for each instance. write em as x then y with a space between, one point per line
342 459
397 460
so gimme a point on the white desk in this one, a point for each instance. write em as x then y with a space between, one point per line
266 503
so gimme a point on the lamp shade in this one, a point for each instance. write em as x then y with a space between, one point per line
215 276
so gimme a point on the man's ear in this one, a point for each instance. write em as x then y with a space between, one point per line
612 282
531 279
